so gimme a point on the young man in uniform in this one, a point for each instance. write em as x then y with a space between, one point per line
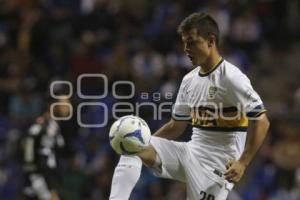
41 147
219 101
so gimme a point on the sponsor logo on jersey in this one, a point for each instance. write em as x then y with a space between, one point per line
220 119
212 91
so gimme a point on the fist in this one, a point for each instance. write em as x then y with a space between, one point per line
235 171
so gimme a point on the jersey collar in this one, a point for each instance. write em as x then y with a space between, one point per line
213 69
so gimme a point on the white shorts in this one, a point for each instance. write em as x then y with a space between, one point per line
180 164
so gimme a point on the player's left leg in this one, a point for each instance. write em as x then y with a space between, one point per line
148 156
128 172
126 175
163 156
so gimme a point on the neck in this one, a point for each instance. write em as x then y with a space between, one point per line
211 62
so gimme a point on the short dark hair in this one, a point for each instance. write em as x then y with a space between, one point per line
204 24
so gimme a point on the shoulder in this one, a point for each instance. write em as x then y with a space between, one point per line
232 75
35 129
188 79
189 76
229 70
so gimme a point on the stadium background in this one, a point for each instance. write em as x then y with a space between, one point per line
46 40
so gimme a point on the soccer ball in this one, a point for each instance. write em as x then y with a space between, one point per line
129 135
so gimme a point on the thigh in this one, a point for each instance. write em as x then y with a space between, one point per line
208 189
203 184
172 155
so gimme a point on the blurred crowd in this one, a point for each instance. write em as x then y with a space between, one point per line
42 41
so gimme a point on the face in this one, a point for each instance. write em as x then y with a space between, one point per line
196 47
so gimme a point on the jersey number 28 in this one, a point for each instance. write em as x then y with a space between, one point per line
205 196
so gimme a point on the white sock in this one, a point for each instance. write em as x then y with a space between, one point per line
126 175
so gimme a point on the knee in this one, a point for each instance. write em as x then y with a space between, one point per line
129 160
148 156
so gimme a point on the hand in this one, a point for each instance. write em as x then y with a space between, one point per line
235 171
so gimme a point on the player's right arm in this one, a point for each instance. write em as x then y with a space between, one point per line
171 129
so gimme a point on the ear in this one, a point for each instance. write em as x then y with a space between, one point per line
211 40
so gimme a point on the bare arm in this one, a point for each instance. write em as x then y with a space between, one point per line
171 129
256 135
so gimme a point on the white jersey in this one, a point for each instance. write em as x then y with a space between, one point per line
219 105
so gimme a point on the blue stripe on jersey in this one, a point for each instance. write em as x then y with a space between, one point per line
223 129
256 111
177 117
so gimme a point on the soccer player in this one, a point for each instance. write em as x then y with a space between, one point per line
40 148
220 103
